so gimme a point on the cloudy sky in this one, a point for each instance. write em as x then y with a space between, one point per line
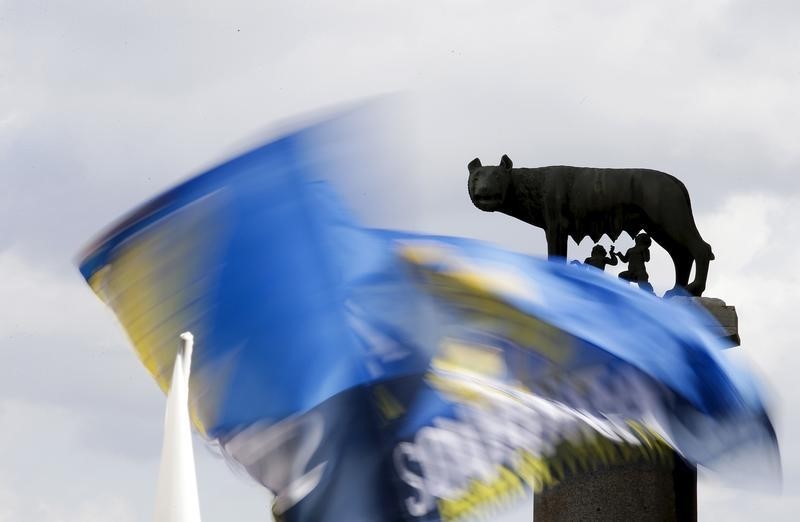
104 104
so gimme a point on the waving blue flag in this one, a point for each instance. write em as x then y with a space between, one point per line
365 374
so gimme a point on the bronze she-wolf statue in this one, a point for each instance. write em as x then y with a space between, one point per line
581 201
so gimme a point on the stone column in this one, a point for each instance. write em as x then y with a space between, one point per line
653 485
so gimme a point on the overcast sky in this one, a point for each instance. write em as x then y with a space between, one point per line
104 104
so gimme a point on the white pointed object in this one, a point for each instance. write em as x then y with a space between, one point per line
176 496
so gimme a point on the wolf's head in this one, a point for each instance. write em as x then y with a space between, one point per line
488 185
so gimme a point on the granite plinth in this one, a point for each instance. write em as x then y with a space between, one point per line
640 491
636 491
723 321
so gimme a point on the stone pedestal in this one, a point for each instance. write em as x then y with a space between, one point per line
725 322
639 490
631 492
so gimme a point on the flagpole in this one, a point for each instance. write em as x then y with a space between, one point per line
176 493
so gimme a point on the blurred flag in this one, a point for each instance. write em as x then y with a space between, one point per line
365 374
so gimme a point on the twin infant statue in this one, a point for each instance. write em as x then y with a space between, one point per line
636 257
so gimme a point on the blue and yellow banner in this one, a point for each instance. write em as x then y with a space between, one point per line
366 374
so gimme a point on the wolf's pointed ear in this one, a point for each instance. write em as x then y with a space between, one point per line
474 164
506 162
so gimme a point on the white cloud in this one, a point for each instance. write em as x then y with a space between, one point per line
47 475
718 503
